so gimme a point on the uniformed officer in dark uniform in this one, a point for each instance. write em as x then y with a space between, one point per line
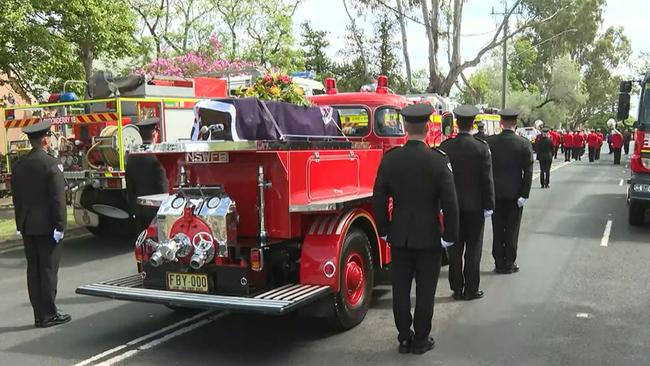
481 130
545 152
512 168
38 189
420 182
144 176
472 164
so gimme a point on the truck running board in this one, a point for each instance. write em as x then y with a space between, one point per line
278 301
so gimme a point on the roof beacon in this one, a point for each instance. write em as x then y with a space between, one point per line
382 84
330 86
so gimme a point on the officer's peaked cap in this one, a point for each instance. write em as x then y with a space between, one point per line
466 111
509 113
417 113
37 129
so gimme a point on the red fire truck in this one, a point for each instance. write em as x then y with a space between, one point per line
270 226
92 137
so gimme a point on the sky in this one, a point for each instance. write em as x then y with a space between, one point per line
330 15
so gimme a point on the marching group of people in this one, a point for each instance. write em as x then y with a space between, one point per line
574 144
440 201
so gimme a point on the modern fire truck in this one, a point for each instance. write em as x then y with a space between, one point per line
92 138
638 193
269 226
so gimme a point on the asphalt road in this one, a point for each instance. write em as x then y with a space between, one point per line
575 302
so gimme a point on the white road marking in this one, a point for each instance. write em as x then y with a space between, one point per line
159 341
621 183
146 337
608 229
12 249
583 315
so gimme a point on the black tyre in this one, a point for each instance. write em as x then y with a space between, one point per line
636 214
356 278
113 228
109 227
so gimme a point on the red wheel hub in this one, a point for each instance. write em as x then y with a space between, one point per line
354 279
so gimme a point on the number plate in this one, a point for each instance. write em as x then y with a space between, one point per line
187 282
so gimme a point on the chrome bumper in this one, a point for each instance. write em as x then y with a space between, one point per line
275 302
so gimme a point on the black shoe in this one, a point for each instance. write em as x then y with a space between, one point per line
55 320
476 295
420 347
38 323
457 295
405 346
501 270
513 269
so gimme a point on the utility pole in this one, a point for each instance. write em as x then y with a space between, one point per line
504 65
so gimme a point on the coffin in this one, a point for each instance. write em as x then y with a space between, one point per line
239 119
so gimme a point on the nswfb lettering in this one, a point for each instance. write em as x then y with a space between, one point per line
207 157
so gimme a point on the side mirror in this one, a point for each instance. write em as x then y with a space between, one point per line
447 122
623 111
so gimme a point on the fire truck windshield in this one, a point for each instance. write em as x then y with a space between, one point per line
354 121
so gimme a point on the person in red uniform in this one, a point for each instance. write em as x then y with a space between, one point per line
567 143
617 145
592 142
601 138
555 139
578 142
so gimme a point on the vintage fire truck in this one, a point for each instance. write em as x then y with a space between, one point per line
269 225
92 138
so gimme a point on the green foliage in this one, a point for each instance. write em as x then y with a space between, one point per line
314 44
46 42
384 53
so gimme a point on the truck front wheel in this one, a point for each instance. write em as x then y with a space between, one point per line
636 214
356 280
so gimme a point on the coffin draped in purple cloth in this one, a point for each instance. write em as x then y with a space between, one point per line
214 120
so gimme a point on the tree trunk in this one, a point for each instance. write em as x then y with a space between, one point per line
233 41
407 60
87 58
432 31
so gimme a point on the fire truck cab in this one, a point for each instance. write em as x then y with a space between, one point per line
270 226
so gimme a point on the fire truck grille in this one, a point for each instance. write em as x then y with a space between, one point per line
278 301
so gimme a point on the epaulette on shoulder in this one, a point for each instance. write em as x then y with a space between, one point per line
439 151
480 139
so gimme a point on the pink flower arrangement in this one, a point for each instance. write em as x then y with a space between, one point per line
194 63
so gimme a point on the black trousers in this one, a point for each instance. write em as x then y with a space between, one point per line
567 154
505 227
592 154
577 153
617 156
545 175
626 147
597 157
424 266
611 148
555 149
43 255
469 246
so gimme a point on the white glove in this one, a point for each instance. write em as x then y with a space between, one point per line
521 201
487 213
445 244
18 233
58 235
